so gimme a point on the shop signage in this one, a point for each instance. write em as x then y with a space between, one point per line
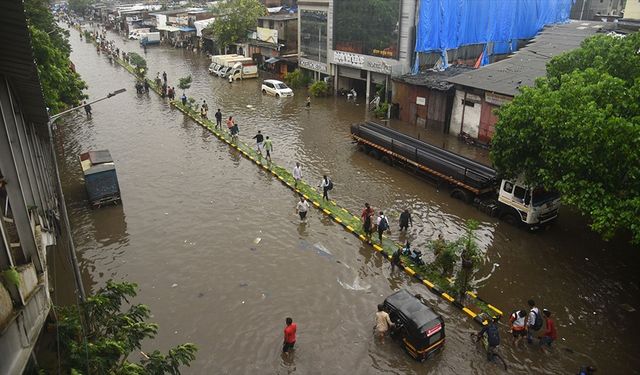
348 58
374 64
313 65
420 100
377 65
496 99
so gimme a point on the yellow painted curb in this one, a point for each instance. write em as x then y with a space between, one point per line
378 247
362 237
409 271
469 312
428 283
447 297
349 228
326 211
472 294
494 309
337 219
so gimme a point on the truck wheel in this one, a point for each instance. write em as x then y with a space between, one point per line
387 160
362 148
462 195
509 218
277 95
374 154
264 91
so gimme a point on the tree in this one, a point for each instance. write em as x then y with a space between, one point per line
139 62
184 83
577 131
237 18
103 344
470 257
79 6
61 85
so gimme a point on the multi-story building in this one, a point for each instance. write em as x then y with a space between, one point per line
358 43
595 9
30 204
274 45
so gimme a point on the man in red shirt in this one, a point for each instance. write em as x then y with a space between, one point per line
367 224
550 333
289 336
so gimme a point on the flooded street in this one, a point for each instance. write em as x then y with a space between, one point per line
221 257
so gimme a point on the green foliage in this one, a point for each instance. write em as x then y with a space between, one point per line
296 79
319 88
139 62
382 110
184 83
111 333
578 132
80 6
12 276
470 258
237 18
446 256
62 87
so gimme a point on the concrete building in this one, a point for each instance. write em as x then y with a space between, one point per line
274 45
591 10
481 91
29 200
338 40
632 10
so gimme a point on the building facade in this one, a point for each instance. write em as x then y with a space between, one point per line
339 40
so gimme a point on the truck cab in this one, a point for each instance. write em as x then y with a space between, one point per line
534 207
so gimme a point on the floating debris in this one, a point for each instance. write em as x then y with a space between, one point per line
257 240
174 285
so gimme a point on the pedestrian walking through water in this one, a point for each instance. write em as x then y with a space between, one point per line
302 208
326 184
164 76
268 147
367 220
297 174
259 139
383 225
289 336
87 109
405 220
218 119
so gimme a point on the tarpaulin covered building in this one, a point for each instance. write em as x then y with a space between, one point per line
493 26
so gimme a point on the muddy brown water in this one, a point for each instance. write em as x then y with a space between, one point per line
193 211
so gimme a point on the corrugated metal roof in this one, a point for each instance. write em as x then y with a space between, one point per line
529 63
433 79
17 62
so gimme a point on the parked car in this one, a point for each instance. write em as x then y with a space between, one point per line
276 88
418 327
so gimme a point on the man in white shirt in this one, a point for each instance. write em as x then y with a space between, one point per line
534 314
302 208
297 174
383 224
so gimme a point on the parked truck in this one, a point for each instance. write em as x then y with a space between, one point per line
100 178
468 180
149 38
233 67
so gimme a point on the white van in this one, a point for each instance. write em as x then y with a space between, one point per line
276 88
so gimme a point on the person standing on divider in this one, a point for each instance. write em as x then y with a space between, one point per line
268 147
87 109
302 208
205 105
289 336
382 224
367 220
259 139
230 124
218 119
164 76
405 220
183 98
297 174
326 184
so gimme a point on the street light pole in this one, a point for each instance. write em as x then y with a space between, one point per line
63 206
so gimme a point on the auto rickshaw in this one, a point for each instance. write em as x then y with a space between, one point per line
418 327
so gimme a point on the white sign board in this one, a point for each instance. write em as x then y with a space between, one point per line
421 100
348 58
313 65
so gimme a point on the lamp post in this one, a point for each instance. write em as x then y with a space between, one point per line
63 207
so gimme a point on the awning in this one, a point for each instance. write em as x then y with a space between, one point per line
186 28
273 60
170 29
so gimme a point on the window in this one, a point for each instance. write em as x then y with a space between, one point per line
468 103
313 35
271 24
508 187
519 193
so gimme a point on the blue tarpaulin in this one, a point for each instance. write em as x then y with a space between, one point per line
449 24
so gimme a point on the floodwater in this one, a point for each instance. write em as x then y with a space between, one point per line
222 259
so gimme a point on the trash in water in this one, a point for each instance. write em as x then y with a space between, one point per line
253 249
249 106
166 213
243 302
174 285
257 240
244 284
200 295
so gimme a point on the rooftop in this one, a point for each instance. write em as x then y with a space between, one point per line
529 63
434 79
280 17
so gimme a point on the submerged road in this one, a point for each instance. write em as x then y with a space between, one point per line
221 257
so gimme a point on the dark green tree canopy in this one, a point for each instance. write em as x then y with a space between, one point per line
61 85
237 18
578 132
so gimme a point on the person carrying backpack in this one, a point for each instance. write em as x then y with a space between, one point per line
326 184
534 320
383 225
493 337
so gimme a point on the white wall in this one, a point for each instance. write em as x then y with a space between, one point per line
632 10
471 115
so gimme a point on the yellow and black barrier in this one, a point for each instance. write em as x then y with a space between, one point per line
340 215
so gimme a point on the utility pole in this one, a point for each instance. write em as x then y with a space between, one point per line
63 206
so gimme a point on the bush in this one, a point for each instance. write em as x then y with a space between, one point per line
139 62
382 110
296 79
319 88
